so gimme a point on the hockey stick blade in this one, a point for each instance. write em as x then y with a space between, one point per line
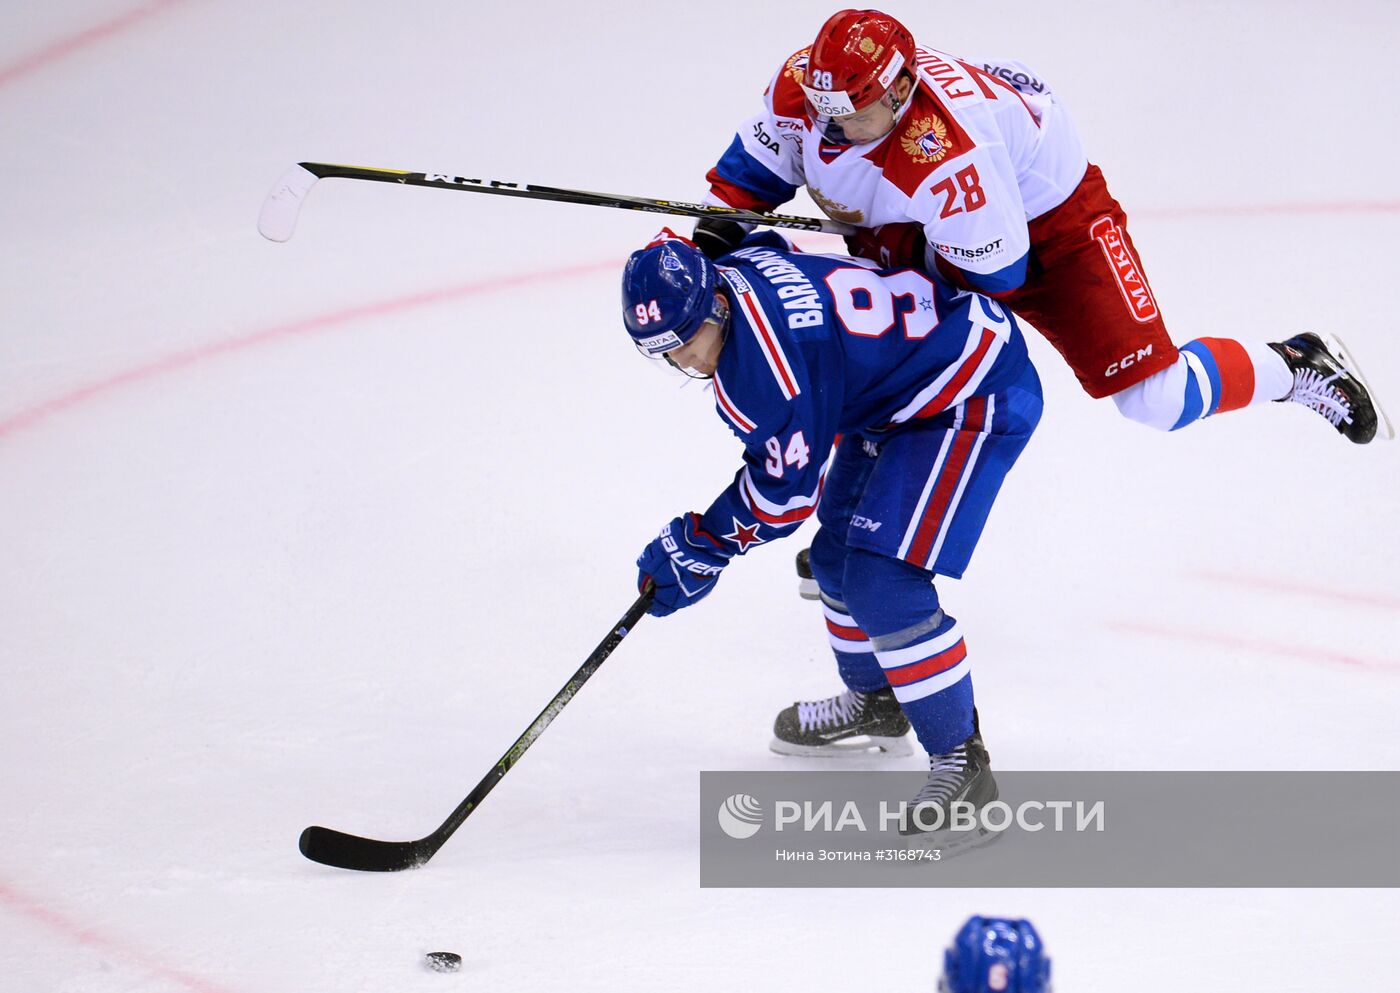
278 218
349 851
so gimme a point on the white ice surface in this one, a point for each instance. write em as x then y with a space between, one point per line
273 554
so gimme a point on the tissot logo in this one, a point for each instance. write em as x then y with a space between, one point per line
957 251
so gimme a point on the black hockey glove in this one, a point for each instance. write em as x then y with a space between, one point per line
716 237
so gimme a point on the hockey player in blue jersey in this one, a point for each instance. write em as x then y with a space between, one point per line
932 397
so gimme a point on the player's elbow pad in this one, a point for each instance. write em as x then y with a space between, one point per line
740 180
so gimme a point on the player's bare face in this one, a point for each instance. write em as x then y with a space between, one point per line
699 356
869 124
875 121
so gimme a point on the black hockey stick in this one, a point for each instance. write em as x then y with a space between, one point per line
348 851
279 211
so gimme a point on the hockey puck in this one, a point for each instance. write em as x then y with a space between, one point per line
444 961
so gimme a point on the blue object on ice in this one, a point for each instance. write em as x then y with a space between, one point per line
996 955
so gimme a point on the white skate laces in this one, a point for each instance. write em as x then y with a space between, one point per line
817 714
945 777
1314 391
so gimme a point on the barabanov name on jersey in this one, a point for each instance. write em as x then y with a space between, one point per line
799 296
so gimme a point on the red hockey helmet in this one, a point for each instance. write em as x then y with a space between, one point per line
855 60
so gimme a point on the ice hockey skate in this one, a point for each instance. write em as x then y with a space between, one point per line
849 725
807 587
962 775
1327 380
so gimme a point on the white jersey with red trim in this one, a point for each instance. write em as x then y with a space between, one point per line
977 151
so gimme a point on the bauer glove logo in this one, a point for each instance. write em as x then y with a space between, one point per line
681 561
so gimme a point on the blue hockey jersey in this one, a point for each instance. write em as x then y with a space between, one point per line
820 346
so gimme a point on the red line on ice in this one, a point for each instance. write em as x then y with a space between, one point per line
90 937
1301 589
27 417
63 47
1257 646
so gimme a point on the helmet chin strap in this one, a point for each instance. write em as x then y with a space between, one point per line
687 373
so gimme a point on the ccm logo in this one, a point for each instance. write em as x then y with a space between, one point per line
1131 359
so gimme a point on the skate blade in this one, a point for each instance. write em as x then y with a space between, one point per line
868 746
1344 356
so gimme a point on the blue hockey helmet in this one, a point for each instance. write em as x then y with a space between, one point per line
996 955
668 291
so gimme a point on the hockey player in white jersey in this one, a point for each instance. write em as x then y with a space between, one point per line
974 173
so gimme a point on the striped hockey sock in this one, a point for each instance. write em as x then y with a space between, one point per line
928 668
855 657
1211 376
1229 375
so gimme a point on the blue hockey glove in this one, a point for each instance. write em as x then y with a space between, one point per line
684 562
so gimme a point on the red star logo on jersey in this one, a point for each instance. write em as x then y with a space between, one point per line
744 535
